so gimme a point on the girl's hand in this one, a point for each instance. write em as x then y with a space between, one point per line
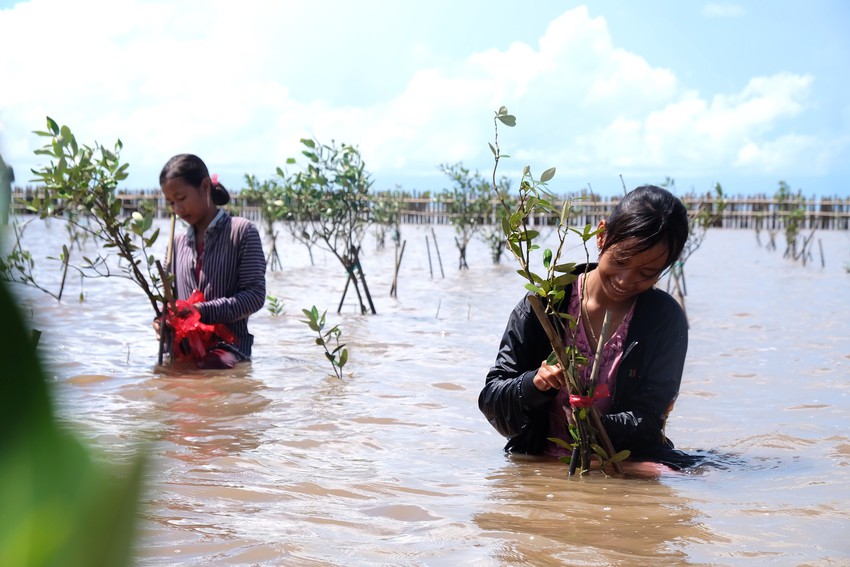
549 376
155 325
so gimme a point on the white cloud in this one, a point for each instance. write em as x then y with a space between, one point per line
714 10
219 79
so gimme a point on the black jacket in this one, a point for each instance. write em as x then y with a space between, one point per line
647 382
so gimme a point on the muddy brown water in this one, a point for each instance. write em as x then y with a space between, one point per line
279 463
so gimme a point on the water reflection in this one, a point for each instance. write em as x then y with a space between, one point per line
543 517
208 415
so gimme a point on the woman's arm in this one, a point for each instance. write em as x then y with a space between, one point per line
511 402
250 292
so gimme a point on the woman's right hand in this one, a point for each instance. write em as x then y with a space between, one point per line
549 376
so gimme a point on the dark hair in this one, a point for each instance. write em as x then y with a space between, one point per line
191 169
650 215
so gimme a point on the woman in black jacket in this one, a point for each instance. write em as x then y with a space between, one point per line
642 360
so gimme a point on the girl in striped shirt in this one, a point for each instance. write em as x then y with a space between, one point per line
219 255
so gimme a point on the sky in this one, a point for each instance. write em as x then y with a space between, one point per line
745 94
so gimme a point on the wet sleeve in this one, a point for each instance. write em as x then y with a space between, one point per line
509 399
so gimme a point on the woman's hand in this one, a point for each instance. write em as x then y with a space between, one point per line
549 376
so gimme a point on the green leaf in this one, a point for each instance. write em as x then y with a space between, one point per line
567 268
547 175
547 258
621 456
52 126
62 503
564 280
343 358
492 149
599 451
560 442
508 120
534 289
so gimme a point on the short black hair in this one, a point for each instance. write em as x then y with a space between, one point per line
648 214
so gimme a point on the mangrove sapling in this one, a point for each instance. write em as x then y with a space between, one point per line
335 352
336 175
269 196
301 202
793 210
275 305
83 180
492 233
385 211
467 203
18 266
706 216
547 295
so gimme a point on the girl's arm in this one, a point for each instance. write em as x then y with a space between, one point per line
511 402
251 282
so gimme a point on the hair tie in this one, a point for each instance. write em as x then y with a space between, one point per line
214 179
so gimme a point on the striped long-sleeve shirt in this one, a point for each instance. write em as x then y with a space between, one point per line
232 276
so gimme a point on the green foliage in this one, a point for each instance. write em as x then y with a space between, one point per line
385 210
699 221
468 203
80 184
794 209
493 234
272 200
297 208
275 305
61 504
334 184
335 352
548 285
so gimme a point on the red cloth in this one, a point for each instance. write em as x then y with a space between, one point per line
587 401
199 337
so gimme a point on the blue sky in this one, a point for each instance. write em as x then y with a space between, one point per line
741 93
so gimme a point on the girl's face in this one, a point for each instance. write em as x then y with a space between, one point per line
625 274
192 204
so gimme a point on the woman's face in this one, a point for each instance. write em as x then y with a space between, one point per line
625 274
190 203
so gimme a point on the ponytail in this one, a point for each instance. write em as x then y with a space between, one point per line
218 192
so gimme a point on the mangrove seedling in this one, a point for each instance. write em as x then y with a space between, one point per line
337 183
335 352
275 305
548 292
468 204
270 197
80 184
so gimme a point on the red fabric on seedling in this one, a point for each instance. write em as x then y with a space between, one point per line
586 401
185 319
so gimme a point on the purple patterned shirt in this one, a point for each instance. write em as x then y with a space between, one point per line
232 276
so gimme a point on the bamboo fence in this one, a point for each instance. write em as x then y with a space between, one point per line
741 211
